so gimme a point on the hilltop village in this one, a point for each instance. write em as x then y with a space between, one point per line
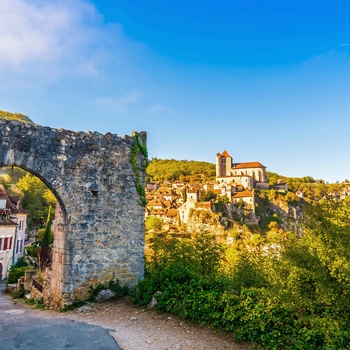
241 193
235 185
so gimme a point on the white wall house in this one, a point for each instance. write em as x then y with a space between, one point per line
13 224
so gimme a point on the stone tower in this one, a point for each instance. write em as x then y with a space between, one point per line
223 164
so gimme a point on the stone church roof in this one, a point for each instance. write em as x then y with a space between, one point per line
247 165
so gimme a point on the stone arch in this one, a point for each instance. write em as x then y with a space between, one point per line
100 228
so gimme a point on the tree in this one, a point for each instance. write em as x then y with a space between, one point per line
36 198
45 250
153 223
207 196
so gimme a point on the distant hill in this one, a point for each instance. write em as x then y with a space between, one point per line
15 116
183 170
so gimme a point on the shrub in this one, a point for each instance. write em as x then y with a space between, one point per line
18 294
21 262
294 296
33 251
15 273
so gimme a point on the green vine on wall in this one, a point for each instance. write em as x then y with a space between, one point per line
137 147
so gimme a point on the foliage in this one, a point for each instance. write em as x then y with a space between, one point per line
180 259
38 302
15 273
312 190
36 198
41 233
139 147
10 175
33 251
18 294
283 290
113 285
15 116
45 255
21 262
207 196
153 223
183 170
74 305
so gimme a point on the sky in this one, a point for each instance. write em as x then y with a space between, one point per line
268 81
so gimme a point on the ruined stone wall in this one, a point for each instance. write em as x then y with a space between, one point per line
99 226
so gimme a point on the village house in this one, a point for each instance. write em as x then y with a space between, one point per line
163 203
13 224
280 186
245 197
192 202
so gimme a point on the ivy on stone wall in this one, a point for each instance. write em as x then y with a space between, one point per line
139 146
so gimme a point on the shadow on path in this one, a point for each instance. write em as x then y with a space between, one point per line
27 329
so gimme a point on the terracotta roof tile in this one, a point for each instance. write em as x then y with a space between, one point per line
171 213
242 194
247 165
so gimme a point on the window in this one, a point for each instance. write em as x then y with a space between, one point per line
7 245
18 246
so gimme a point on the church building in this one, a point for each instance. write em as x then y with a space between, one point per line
238 177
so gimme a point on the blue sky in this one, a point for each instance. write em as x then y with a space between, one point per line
267 80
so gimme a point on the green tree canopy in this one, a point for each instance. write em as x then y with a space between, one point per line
184 170
36 198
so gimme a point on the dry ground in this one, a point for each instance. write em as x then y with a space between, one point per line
144 329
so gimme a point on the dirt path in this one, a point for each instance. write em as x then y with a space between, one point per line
145 329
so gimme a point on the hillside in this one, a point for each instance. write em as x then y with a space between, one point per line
15 116
183 170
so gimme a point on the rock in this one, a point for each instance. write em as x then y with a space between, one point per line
104 295
153 302
133 318
84 309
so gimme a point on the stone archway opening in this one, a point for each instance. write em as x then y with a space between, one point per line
37 208
96 179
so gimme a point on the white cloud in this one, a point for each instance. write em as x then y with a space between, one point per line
51 39
120 103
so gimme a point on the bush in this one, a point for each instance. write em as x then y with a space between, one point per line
15 273
18 294
33 252
294 296
21 262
